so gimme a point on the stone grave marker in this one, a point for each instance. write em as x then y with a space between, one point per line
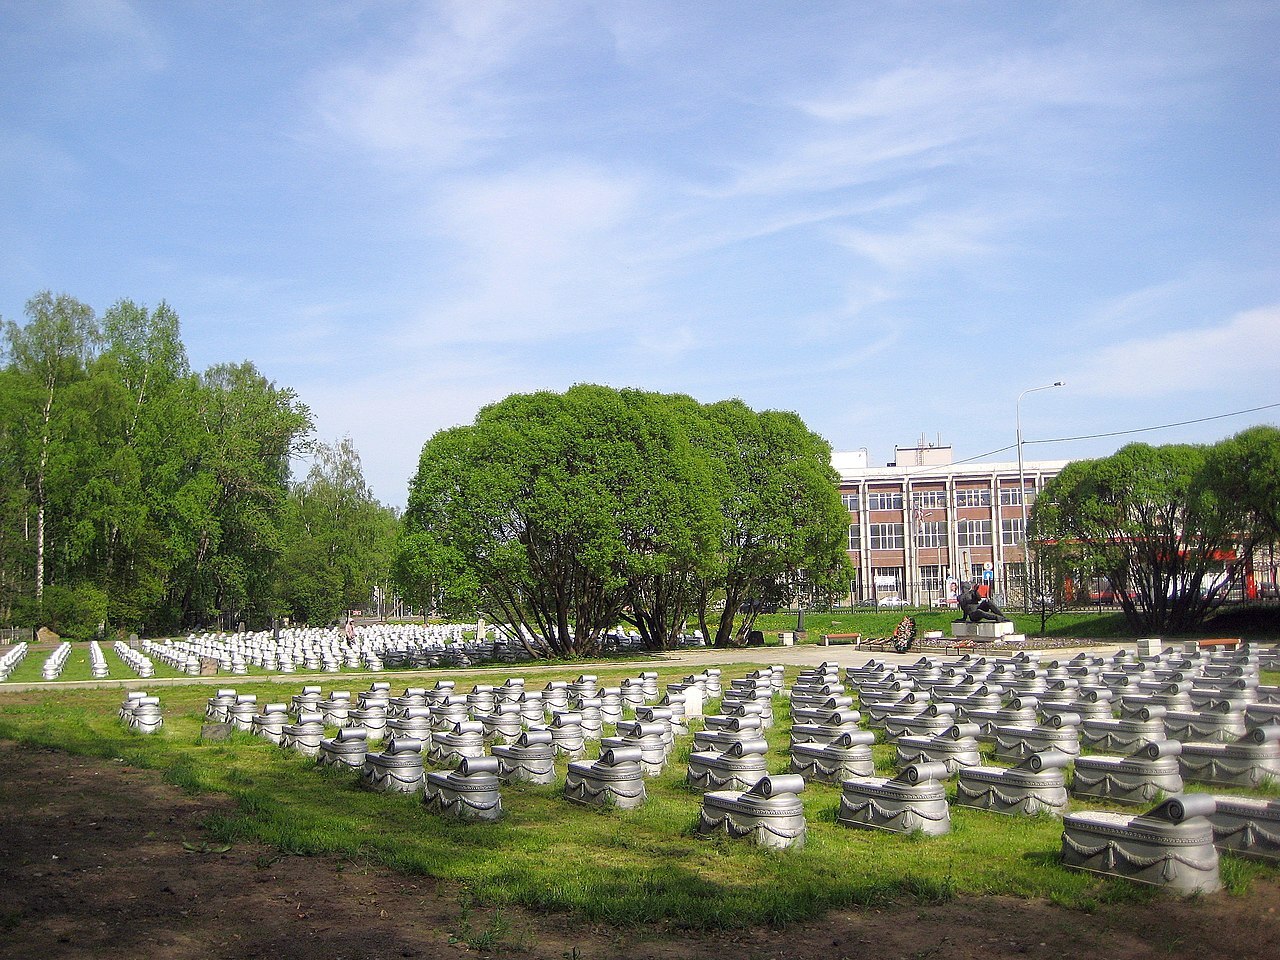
215 731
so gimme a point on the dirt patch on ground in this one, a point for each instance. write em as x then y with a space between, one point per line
101 860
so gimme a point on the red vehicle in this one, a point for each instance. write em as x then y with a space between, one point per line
1101 590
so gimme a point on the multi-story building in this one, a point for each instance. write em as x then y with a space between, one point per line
922 523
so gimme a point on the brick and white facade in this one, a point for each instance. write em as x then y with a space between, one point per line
914 524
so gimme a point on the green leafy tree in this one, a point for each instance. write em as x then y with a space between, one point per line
226 513
1149 519
522 513
152 434
49 355
339 539
670 521
563 514
784 528
17 554
1243 472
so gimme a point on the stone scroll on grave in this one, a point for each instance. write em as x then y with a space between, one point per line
1169 846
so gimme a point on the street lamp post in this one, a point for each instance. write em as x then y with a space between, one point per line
1022 491
921 516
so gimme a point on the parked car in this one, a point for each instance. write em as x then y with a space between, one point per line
891 601
869 602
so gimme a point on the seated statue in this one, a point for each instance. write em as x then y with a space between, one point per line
976 608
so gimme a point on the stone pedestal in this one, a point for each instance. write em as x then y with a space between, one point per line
989 632
615 780
468 793
348 749
531 759
1037 785
844 758
1150 646
738 767
1170 846
1247 826
770 813
1141 777
398 769
913 801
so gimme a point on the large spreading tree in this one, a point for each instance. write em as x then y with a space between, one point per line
784 531
562 515
1164 523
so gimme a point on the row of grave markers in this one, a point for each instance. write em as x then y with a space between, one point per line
935 712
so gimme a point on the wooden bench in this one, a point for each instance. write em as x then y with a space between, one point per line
829 638
1230 643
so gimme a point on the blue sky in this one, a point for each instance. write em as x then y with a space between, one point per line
889 217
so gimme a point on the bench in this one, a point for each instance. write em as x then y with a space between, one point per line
829 638
1229 642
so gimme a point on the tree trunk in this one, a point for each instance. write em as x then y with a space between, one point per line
40 546
40 492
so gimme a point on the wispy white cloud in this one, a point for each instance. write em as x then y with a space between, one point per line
1138 307
537 253
1243 350
926 241
1000 108
441 99
976 94
695 223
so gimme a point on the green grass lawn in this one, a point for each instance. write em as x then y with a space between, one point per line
881 623
1248 621
625 867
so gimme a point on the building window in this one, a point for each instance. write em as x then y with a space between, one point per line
1012 496
884 500
929 500
973 496
931 579
973 533
855 537
887 580
1011 532
887 536
850 501
932 534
